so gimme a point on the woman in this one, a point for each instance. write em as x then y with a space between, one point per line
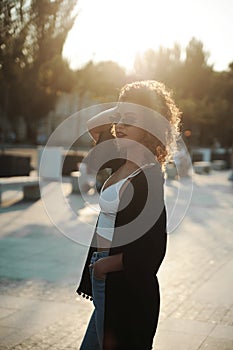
129 243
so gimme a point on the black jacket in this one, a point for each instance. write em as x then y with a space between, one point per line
132 297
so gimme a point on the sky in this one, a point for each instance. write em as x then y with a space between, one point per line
117 30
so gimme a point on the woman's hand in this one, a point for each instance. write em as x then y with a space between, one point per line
101 122
99 269
109 264
97 131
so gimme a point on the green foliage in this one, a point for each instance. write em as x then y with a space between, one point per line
203 95
162 64
101 80
32 70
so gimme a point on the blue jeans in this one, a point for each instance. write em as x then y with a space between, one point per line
93 339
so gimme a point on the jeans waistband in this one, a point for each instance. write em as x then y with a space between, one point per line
99 255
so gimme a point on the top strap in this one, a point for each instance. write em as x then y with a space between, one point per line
137 171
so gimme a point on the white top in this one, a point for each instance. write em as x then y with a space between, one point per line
109 201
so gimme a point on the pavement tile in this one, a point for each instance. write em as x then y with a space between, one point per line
5 312
216 289
13 336
170 340
36 315
13 302
216 344
222 332
187 326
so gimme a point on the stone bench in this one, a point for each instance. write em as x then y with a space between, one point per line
74 175
219 164
78 180
83 182
230 178
30 186
202 167
171 171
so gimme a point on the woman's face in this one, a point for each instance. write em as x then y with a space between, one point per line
129 125
126 129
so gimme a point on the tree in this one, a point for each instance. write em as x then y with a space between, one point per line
204 96
196 73
12 56
32 38
101 80
162 65
221 96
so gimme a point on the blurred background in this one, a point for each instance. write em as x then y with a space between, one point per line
58 57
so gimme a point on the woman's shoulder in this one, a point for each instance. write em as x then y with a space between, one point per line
150 172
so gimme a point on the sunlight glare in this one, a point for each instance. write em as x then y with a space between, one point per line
131 28
118 30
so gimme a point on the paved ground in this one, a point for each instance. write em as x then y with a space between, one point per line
40 268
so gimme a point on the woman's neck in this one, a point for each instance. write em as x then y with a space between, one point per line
136 159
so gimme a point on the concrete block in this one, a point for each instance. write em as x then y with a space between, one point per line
219 164
202 167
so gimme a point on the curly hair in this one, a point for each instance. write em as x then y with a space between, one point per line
156 96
